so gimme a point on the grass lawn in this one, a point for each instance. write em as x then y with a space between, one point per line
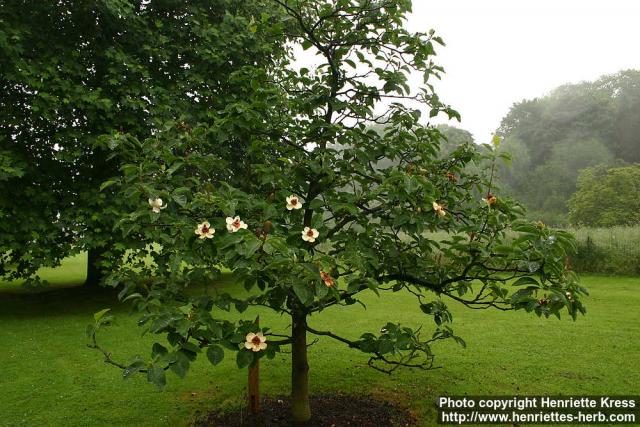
72 274
49 377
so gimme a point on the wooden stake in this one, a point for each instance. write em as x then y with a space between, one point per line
254 383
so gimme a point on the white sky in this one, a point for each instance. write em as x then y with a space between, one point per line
502 51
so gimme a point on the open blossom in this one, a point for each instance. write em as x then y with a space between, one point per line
205 231
569 295
255 342
439 209
490 200
328 281
293 202
156 204
310 234
235 224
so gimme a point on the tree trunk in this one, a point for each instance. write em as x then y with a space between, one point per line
94 273
253 388
300 409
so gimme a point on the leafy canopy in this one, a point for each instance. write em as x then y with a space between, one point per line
607 197
361 228
74 70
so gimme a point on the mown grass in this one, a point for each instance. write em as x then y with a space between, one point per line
49 377
72 274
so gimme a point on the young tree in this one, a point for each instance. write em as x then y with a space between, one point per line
312 226
71 71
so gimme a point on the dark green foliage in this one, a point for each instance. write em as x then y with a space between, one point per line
71 71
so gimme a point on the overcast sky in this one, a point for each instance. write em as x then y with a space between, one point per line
501 51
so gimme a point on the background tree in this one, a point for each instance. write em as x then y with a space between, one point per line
453 138
574 127
73 70
314 226
607 197
555 180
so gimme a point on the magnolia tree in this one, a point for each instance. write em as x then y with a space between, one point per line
312 227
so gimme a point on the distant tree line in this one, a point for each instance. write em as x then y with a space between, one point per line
573 152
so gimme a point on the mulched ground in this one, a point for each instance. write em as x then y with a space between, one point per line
327 411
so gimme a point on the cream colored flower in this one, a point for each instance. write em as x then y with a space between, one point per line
255 342
293 202
569 295
439 209
156 204
235 224
205 231
310 234
328 281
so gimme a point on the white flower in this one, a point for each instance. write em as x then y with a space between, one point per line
205 231
235 224
293 202
310 234
439 209
255 342
156 205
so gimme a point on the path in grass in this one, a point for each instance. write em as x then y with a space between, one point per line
51 378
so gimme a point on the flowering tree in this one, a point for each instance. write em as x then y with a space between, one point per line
329 209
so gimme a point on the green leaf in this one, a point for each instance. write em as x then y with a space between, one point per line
181 365
107 184
302 292
385 346
241 305
174 168
244 358
321 289
523 281
100 314
215 354
251 247
373 285
275 244
158 349
132 369
180 199
155 375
